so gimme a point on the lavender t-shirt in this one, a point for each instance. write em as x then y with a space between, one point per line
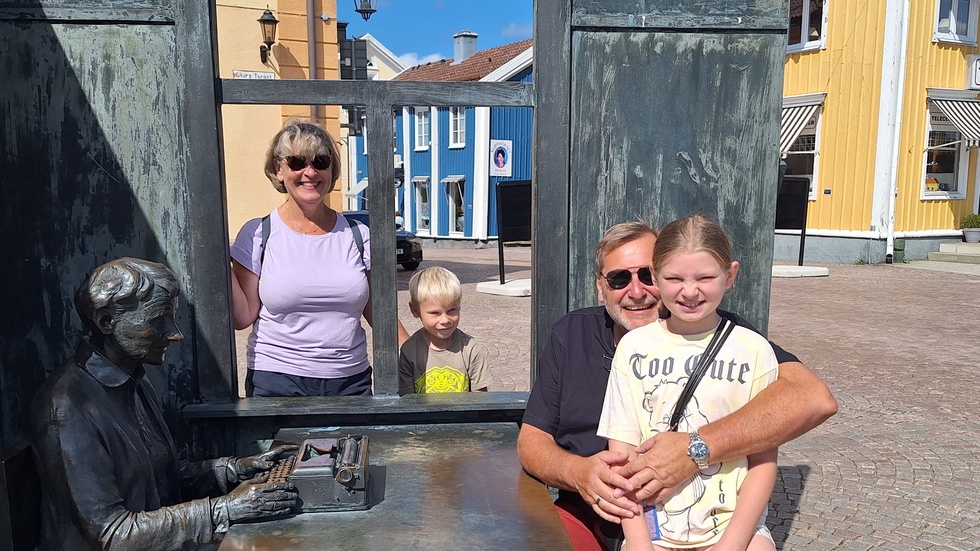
313 290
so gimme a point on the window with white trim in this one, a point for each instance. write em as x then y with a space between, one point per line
457 127
807 20
423 204
455 189
803 156
945 159
421 128
956 21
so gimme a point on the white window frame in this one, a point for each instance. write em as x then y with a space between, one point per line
934 123
417 183
812 128
456 203
457 210
457 127
946 23
807 42
423 128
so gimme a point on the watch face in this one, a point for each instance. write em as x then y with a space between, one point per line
698 451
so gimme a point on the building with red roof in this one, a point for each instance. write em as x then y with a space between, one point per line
451 158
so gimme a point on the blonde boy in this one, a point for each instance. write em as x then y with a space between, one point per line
439 357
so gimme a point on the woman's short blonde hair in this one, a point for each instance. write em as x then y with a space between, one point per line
435 284
303 139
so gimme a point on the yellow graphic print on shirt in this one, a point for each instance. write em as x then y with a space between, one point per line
442 379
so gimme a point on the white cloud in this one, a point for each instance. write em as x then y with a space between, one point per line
412 59
518 31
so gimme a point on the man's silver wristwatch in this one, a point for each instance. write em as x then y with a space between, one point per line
698 450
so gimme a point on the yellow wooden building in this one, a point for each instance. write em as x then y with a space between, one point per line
306 35
881 113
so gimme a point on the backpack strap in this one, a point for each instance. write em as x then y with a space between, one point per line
358 238
267 229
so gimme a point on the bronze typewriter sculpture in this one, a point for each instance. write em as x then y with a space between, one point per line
330 474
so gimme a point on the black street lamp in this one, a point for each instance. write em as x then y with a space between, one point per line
365 8
268 23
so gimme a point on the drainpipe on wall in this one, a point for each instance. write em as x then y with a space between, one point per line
311 49
899 96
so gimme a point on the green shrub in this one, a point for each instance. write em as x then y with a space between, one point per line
971 221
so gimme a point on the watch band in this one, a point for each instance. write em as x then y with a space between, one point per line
697 450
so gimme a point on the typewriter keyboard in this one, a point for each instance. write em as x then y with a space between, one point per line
280 472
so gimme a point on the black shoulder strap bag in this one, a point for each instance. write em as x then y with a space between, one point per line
724 329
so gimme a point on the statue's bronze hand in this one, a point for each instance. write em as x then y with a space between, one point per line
260 500
247 467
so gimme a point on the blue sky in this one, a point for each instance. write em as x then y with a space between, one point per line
420 31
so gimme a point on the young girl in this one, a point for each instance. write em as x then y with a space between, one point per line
693 266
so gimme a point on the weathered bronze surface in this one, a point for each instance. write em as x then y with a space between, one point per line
436 487
112 477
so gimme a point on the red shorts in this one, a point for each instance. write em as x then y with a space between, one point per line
587 530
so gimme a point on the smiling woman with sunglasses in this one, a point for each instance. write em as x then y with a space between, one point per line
304 286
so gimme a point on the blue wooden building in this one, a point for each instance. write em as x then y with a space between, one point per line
451 158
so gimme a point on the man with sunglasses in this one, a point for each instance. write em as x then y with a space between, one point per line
558 442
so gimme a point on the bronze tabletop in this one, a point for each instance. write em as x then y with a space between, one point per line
434 487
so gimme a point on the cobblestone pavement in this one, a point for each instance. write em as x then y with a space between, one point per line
899 466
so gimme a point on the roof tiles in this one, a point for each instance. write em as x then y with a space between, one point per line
475 67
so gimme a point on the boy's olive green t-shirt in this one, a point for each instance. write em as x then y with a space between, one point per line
461 367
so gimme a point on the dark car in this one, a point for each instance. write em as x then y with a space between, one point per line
408 248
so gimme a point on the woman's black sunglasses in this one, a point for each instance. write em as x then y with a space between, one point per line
320 162
620 279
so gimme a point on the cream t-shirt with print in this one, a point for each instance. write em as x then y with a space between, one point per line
649 371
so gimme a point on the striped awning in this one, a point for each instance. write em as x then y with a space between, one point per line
794 119
965 116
